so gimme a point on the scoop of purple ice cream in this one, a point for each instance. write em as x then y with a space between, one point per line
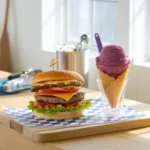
113 60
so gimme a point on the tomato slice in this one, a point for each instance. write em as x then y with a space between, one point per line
56 90
42 104
67 90
73 104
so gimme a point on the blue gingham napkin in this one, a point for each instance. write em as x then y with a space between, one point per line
93 115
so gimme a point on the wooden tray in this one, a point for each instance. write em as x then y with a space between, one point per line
44 134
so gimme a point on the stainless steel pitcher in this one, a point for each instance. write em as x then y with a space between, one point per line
76 61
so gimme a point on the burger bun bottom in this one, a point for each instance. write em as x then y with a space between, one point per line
60 115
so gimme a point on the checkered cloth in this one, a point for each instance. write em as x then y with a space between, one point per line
93 115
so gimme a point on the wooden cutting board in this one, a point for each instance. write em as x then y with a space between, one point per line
44 134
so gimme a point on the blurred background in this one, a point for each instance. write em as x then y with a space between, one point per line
37 29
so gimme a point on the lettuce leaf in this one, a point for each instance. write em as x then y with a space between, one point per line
58 108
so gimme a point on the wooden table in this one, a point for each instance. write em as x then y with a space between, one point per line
134 139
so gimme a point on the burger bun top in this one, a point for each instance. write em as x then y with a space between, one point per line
57 75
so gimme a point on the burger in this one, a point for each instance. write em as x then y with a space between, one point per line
57 95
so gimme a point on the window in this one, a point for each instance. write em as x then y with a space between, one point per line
78 20
64 21
124 22
105 20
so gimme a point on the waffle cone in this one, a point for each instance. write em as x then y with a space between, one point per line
113 86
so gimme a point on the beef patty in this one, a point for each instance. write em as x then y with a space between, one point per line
56 100
60 84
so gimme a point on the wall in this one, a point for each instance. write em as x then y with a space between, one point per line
25 42
25 36
2 8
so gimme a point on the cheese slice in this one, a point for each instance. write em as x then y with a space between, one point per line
65 96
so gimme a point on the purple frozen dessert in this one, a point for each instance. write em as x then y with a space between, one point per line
113 60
